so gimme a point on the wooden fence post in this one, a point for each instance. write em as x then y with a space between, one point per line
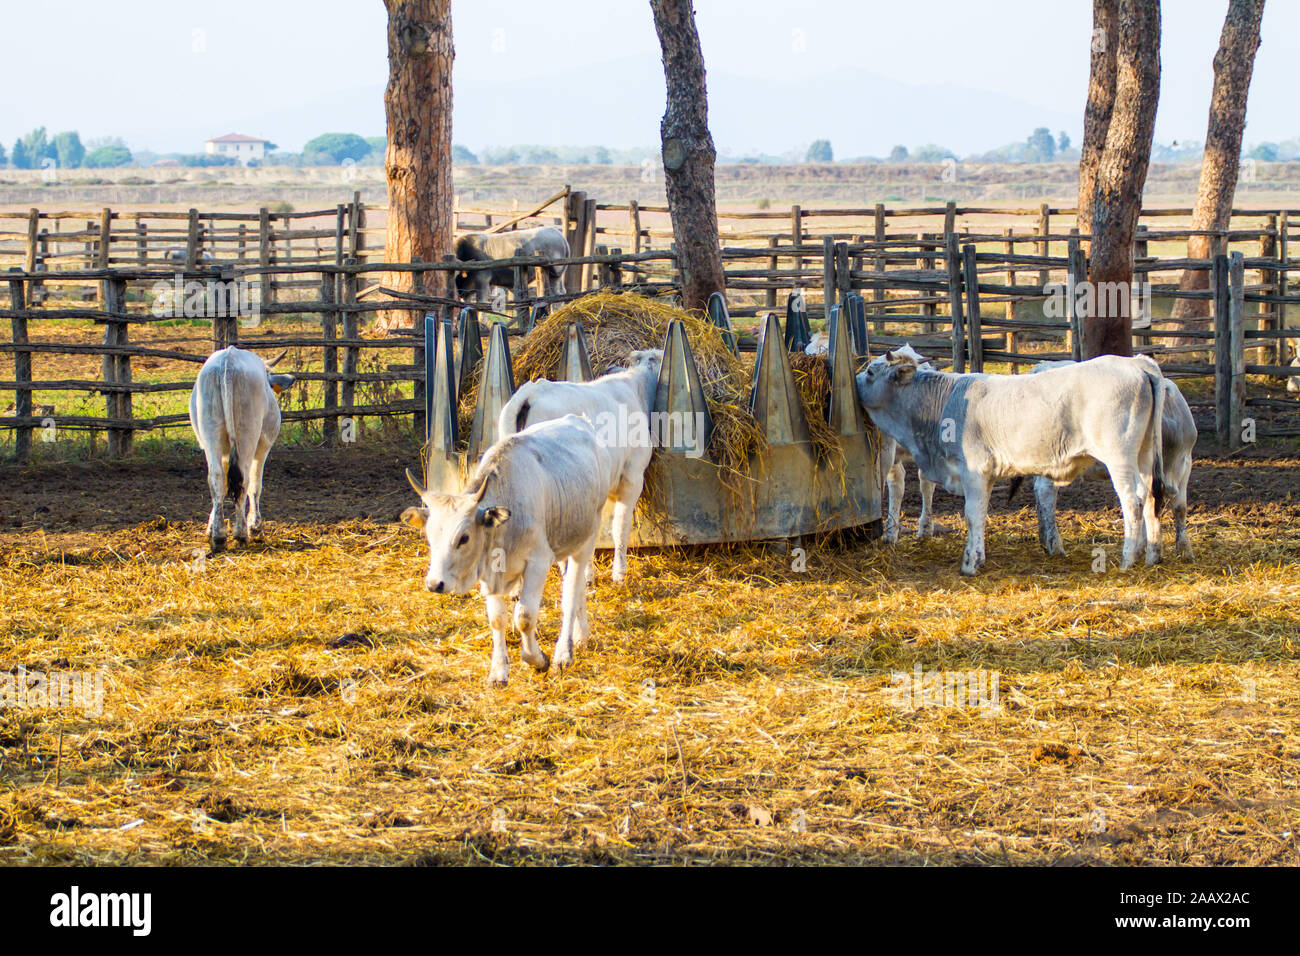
105 236
843 272
116 367
953 262
878 294
796 238
828 274
33 230
520 290
264 254
926 261
975 329
358 226
192 242
351 352
38 294
773 263
588 242
330 354
340 226
141 243
634 223
1009 247
418 384
1236 348
1044 230
1268 279
615 272
576 233
1283 285
1222 349
22 371
1076 273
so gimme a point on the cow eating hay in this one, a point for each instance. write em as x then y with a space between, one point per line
616 325
968 431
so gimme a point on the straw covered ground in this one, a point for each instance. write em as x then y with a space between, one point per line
304 700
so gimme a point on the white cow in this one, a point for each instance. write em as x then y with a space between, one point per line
534 499
967 431
892 458
175 255
1293 383
618 404
235 414
1178 437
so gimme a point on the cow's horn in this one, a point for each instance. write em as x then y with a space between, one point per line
415 483
275 361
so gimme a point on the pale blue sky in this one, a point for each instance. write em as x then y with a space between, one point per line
165 74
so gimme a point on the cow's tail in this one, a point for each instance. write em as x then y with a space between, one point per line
230 410
514 414
1016 482
1155 431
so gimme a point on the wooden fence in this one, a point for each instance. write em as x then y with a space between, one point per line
971 298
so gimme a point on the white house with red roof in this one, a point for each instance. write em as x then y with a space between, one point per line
237 146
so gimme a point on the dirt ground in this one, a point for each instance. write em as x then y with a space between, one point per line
307 484
304 700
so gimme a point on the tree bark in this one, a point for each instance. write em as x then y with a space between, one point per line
1121 176
688 154
1101 103
417 104
1233 65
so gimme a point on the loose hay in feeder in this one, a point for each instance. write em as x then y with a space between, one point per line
618 324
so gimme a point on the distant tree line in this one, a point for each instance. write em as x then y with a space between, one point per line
37 150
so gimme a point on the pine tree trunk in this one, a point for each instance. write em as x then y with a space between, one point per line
1121 176
417 104
1233 65
1101 103
688 154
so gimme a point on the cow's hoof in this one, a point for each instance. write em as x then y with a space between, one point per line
497 680
890 537
218 545
563 659
1185 549
1154 556
540 663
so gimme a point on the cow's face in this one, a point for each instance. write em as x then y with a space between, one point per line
652 359
460 531
883 378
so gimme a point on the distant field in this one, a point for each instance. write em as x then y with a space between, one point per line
1272 185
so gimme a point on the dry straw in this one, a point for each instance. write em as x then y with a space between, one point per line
616 325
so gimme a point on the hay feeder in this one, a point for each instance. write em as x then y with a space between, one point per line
788 490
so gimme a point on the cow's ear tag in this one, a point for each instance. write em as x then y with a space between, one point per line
415 517
277 389
491 517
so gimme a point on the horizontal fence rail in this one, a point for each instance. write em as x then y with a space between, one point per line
961 296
